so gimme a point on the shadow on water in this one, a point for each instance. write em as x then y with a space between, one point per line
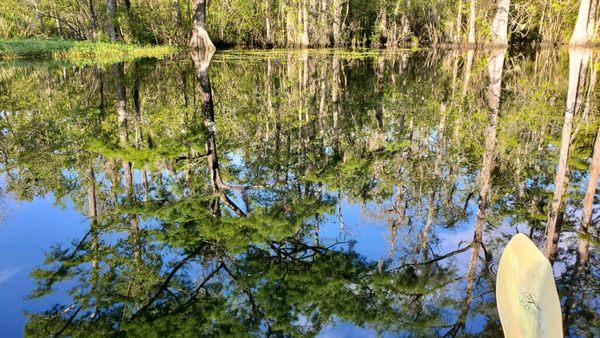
300 193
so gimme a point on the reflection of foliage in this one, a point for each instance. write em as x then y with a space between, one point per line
298 135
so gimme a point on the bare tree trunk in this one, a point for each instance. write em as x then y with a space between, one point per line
325 39
500 24
289 26
472 18
304 37
577 64
459 22
268 22
337 23
584 26
200 41
111 9
92 19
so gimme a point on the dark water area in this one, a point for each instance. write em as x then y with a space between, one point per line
316 193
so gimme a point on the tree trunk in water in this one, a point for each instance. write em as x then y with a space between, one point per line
200 41
577 64
111 9
495 68
500 24
471 37
584 27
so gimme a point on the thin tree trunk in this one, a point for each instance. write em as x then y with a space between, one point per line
337 23
472 18
304 15
323 26
459 19
577 65
588 202
111 9
268 22
92 19
92 214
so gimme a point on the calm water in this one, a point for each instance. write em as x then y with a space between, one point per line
327 193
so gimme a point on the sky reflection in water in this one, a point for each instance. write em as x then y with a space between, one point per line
328 193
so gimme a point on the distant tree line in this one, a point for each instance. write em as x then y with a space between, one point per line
306 23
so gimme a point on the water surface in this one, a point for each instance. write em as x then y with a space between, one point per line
324 193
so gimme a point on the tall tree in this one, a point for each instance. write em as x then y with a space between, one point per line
200 41
113 27
500 24
92 19
337 23
586 22
472 18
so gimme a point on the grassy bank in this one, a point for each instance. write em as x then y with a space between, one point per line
79 51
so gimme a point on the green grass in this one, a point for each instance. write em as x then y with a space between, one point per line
342 53
82 52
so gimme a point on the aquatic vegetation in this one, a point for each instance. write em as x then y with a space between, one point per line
81 52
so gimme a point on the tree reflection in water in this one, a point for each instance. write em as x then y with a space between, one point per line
221 195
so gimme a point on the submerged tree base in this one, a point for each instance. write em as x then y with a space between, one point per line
79 51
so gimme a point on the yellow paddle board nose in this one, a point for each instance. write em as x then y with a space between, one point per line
526 294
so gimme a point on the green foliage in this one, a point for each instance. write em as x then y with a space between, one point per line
181 246
80 52
245 22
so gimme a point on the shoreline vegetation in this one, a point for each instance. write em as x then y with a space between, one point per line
300 24
80 51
